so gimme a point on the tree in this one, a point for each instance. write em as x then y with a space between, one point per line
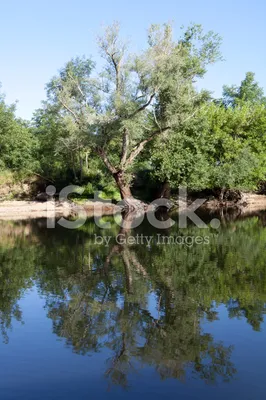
190 161
238 137
17 144
61 147
248 91
136 97
65 155
221 148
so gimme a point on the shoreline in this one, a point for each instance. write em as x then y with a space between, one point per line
23 209
32 209
251 202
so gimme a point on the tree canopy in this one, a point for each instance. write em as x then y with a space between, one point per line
248 91
17 144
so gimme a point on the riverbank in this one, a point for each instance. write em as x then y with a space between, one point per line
18 210
249 202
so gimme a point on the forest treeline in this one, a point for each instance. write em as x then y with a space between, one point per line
140 119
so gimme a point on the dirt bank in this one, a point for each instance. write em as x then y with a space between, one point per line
249 202
18 210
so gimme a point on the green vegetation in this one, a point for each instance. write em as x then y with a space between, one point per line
141 117
17 144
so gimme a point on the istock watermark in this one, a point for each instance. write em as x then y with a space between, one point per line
186 212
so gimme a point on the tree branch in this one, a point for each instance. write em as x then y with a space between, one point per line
78 86
105 159
69 110
117 72
139 267
139 147
116 65
142 107
125 147
113 251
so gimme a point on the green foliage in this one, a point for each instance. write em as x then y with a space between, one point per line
239 173
182 159
248 91
17 144
220 148
111 192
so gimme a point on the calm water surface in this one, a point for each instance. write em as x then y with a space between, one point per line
80 320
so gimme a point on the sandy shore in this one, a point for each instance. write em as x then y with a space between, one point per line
18 210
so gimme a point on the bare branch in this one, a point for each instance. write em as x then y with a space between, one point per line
105 159
125 147
69 110
116 65
156 121
113 50
139 97
78 86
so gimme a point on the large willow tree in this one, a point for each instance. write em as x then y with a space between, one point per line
135 97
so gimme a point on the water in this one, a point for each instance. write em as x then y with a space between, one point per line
81 320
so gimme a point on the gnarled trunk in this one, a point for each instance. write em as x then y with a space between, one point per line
130 203
123 186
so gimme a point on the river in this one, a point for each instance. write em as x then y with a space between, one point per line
96 313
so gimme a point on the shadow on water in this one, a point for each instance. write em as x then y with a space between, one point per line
99 297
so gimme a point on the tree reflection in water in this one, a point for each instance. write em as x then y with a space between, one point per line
145 305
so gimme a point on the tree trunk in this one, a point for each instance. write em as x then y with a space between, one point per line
86 161
123 186
165 191
130 203
221 196
81 168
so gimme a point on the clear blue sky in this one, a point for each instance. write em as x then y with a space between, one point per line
38 37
